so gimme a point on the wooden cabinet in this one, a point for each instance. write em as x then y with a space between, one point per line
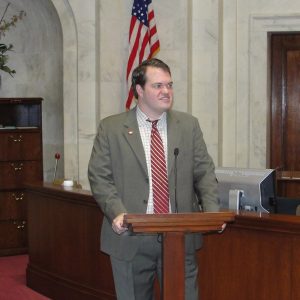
21 159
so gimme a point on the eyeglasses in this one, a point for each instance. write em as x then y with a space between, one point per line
160 86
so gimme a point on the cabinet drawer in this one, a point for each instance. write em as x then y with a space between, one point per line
20 146
13 174
12 205
13 234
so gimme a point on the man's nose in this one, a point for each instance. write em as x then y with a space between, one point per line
165 88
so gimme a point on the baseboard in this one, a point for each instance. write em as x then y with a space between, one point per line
58 288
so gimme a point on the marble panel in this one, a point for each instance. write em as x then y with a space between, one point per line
112 101
229 83
84 157
86 108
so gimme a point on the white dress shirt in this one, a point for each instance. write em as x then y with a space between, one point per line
145 128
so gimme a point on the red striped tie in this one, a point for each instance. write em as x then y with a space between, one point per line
159 173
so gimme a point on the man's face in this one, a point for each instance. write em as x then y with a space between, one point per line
157 95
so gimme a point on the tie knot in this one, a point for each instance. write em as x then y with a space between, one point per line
154 123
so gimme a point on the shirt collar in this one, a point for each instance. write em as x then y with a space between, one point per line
143 119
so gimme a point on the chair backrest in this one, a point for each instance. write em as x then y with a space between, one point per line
287 206
298 210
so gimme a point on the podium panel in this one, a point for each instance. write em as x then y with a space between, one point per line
173 227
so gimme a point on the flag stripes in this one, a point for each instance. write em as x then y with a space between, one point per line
143 39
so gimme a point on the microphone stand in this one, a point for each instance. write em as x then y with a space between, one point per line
176 152
57 157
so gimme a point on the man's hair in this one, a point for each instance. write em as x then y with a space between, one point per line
139 73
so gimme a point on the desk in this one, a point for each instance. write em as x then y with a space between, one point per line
257 257
65 261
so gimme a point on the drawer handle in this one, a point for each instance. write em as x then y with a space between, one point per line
20 224
17 139
18 167
18 198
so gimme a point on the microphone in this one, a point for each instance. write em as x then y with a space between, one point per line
57 157
176 152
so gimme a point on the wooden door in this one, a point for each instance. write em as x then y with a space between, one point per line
285 112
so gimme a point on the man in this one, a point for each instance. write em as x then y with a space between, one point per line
125 177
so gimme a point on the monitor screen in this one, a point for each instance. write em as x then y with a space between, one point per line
246 189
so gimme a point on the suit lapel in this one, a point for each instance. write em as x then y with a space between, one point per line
132 135
173 138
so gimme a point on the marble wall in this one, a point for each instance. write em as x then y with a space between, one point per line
217 51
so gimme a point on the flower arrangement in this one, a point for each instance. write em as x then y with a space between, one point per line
4 27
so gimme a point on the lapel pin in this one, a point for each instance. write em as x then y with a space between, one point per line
130 132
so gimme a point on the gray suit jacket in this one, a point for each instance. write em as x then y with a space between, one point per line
119 179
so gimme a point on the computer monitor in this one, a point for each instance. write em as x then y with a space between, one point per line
246 189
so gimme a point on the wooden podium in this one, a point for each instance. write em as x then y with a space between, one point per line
173 228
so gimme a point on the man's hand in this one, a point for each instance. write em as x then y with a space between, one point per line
117 224
223 228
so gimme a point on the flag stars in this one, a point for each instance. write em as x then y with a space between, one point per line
140 10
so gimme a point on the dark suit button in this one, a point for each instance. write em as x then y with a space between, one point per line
145 201
147 179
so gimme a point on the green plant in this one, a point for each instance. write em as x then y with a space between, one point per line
4 27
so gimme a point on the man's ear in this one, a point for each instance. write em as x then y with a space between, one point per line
139 90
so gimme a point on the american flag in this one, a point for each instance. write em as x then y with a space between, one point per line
143 39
